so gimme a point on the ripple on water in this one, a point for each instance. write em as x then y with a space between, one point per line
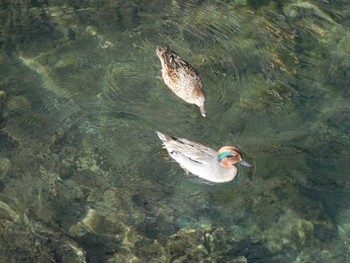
93 112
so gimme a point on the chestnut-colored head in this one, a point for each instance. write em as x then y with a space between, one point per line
229 156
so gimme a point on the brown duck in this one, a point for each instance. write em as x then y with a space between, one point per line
181 78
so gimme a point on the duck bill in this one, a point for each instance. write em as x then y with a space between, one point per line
203 112
244 163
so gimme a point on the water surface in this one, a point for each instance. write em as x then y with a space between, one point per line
83 176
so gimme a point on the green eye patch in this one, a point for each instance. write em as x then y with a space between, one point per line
225 155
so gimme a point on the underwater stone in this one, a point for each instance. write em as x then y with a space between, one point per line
344 44
3 95
18 103
290 231
5 165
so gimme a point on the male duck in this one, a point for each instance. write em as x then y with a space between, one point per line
217 167
181 78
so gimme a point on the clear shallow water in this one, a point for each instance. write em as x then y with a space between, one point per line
84 177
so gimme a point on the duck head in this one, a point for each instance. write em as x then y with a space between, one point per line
163 54
199 99
229 156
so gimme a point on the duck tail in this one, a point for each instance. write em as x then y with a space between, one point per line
163 137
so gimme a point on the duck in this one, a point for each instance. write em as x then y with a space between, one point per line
202 161
181 78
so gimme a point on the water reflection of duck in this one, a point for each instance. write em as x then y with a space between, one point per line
217 167
181 78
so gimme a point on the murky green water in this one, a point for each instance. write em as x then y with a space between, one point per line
83 176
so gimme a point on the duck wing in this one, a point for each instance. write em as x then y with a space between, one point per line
195 151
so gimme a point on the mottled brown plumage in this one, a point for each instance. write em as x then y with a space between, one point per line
181 78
